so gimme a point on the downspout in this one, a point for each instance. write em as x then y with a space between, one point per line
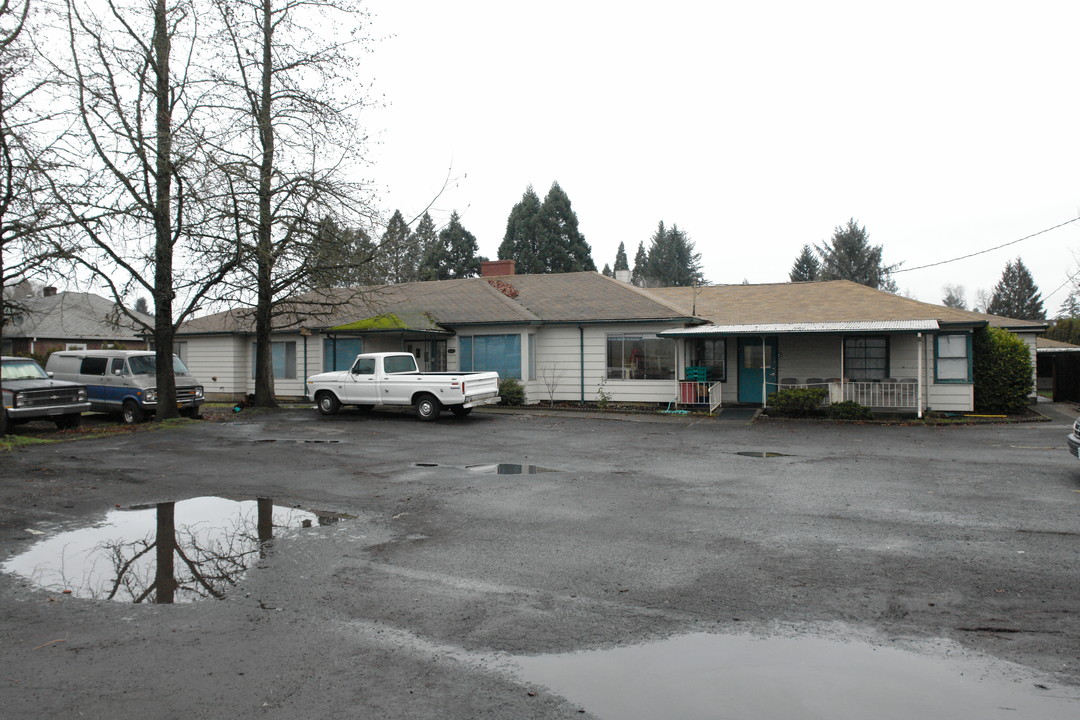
918 385
581 353
843 372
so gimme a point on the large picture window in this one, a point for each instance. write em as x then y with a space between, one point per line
339 353
284 359
640 357
952 363
866 358
501 353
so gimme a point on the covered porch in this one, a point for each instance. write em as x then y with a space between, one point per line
884 365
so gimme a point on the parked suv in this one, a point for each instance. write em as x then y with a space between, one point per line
124 382
31 394
1074 439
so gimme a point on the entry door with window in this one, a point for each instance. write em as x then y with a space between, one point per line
757 369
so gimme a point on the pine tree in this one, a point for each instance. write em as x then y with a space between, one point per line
850 256
398 256
621 263
1070 307
607 271
561 245
522 238
641 260
806 267
1016 296
671 260
423 237
954 297
461 260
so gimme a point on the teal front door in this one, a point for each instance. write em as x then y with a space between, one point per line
757 369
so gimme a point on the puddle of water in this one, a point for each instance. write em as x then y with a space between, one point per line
509 469
718 677
170 552
761 454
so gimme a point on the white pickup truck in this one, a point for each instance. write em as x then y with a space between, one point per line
393 379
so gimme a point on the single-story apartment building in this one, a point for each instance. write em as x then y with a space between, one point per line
583 337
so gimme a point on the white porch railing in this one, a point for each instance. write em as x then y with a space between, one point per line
869 394
698 393
880 394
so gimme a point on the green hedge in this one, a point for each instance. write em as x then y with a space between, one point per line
511 392
1002 369
849 410
797 402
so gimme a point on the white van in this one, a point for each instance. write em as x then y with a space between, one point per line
124 381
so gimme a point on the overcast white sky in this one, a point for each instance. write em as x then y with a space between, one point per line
944 127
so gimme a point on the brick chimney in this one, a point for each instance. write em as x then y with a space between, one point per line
50 291
492 268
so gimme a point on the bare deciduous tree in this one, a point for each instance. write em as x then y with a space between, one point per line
285 85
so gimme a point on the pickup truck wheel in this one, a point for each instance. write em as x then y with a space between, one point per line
460 411
68 422
427 407
328 403
132 413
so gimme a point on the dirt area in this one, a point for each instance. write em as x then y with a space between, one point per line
438 559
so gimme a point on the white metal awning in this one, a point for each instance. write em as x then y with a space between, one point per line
858 326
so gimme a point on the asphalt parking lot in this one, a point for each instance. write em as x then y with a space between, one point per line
441 559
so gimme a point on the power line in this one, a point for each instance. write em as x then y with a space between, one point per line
982 252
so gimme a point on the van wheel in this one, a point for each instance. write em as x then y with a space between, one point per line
427 407
328 403
68 422
460 411
132 413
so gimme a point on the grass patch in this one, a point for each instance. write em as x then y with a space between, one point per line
14 442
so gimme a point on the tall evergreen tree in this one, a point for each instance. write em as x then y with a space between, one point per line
1070 307
607 271
423 237
1015 295
641 261
806 268
561 245
398 256
850 256
461 260
954 297
522 238
671 260
621 263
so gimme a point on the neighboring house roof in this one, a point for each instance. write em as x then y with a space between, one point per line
434 306
73 316
1046 345
832 301
866 326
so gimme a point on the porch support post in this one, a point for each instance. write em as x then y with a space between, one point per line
842 371
764 375
581 352
918 385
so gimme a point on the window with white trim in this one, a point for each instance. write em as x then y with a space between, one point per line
953 351
866 358
640 357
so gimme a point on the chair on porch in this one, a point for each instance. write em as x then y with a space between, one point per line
788 382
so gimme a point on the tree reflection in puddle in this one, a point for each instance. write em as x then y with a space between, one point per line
169 552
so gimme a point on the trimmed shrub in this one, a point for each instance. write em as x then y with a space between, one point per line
849 410
1002 370
797 402
511 392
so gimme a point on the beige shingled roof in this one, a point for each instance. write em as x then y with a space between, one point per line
513 299
833 301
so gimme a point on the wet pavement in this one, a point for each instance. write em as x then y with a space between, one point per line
670 568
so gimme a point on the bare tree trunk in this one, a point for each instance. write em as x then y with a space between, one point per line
165 546
163 242
264 375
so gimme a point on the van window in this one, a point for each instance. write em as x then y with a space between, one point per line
142 364
117 367
94 365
